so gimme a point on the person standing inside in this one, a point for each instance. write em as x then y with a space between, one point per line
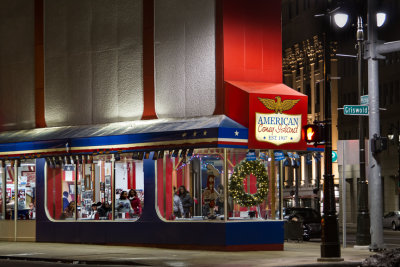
177 204
135 201
187 201
65 200
123 204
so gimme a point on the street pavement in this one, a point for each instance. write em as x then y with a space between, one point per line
294 254
390 237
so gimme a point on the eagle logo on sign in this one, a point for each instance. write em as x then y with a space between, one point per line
278 106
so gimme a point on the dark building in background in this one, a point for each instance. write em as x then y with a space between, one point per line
303 66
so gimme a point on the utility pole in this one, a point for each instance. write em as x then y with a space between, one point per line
330 247
363 237
374 181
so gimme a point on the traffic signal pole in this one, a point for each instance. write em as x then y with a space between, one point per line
374 181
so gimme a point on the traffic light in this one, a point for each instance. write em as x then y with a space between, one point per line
378 144
314 133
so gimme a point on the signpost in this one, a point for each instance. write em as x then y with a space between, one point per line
360 110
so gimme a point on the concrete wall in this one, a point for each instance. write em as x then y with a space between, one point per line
93 61
184 57
17 65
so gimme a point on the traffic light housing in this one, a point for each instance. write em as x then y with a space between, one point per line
314 134
378 144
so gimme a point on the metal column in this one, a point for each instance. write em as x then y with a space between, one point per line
16 163
330 247
374 181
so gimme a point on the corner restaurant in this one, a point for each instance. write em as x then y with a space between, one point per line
95 164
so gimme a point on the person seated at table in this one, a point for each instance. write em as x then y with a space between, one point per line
187 201
104 210
135 201
32 211
69 211
94 214
123 205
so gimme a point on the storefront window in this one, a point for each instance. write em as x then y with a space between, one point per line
94 198
81 188
10 190
129 188
191 185
26 188
237 211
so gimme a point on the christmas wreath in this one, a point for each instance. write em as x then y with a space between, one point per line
236 189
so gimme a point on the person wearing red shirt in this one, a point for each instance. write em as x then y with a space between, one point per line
135 201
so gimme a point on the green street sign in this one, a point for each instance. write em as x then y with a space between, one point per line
364 100
355 110
334 156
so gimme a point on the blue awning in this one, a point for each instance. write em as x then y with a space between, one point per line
212 131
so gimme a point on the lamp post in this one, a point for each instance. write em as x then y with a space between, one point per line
330 247
363 236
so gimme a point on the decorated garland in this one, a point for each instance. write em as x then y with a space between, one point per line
236 189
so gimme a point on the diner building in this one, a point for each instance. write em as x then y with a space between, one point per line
108 107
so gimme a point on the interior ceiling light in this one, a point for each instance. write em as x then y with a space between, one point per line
140 155
175 153
183 153
155 155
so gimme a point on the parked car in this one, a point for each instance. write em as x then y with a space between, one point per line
392 220
310 218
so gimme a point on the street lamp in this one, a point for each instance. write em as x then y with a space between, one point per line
330 246
373 52
363 236
341 19
380 19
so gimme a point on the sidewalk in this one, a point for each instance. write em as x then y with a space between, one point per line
295 254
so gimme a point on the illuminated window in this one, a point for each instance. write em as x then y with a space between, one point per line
83 188
190 186
24 200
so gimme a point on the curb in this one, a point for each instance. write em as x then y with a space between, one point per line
331 264
132 263
72 261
